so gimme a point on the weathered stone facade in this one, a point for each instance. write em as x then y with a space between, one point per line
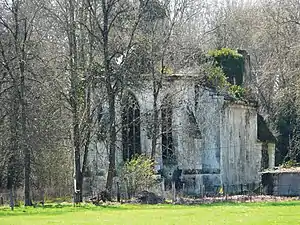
213 139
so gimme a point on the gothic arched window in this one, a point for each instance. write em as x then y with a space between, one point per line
131 132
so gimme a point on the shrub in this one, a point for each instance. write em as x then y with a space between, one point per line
217 78
231 62
237 91
138 174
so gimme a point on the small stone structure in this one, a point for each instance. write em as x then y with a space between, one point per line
211 138
282 182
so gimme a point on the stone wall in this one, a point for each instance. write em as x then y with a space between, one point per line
228 152
240 151
282 183
215 141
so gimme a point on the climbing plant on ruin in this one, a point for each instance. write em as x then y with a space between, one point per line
225 74
231 62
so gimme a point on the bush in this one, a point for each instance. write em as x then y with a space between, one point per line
138 175
231 62
237 91
217 79
225 52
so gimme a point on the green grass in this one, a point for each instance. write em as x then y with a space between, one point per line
251 213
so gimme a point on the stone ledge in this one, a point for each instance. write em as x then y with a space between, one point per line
200 171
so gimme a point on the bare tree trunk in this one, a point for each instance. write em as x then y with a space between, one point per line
110 89
26 150
112 144
11 177
75 101
11 199
20 39
88 80
76 142
12 162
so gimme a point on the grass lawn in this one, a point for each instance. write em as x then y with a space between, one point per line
251 213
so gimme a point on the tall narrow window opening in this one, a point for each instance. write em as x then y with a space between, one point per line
168 155
131 132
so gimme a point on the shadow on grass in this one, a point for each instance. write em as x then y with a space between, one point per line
210 205
54 209
58 209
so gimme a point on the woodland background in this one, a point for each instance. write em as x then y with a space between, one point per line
55 54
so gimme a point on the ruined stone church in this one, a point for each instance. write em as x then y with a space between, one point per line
212 139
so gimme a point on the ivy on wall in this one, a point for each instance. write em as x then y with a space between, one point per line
226 73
